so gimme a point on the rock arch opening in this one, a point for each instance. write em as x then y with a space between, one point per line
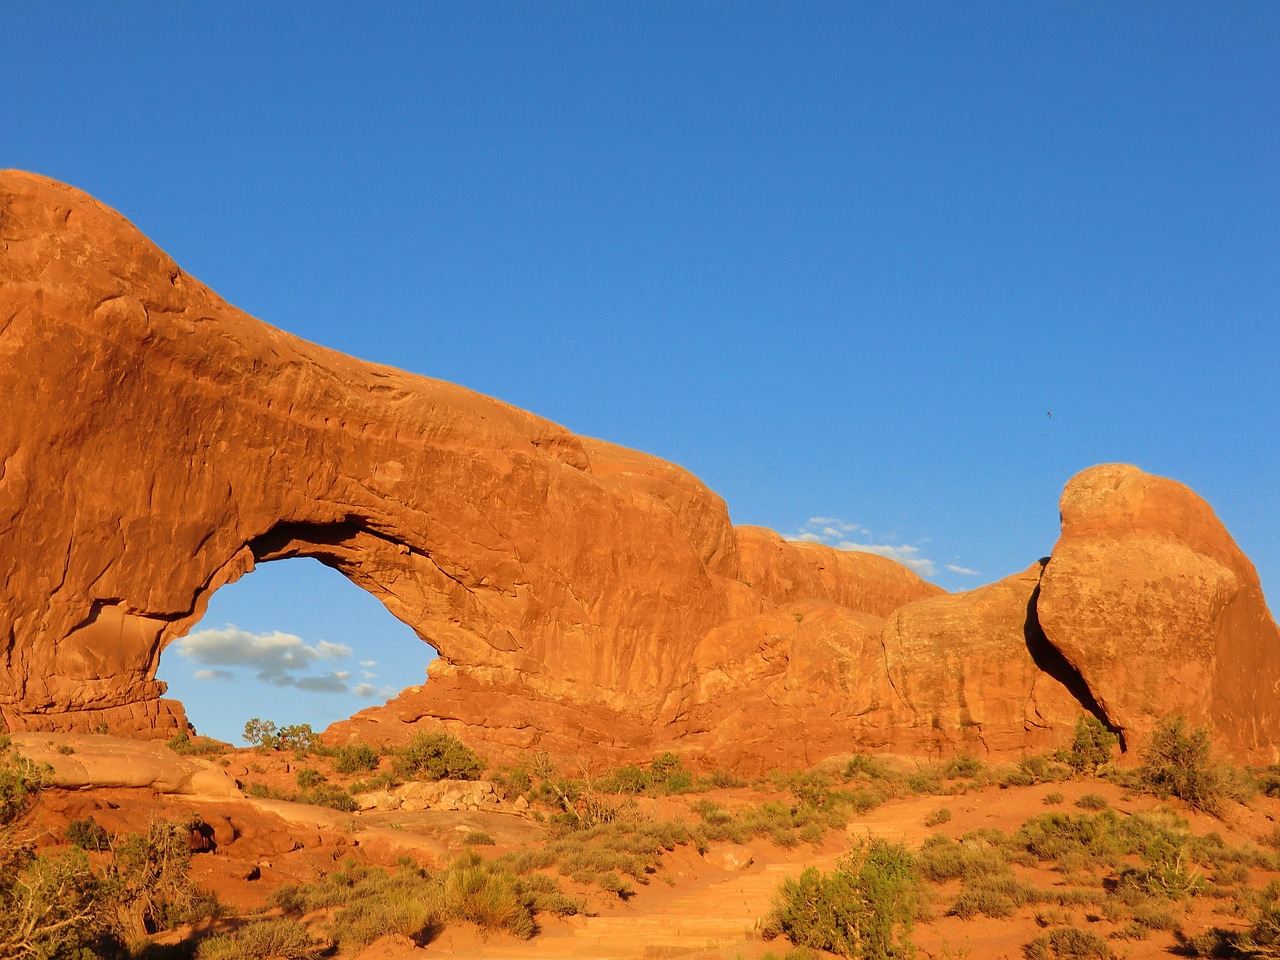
293 641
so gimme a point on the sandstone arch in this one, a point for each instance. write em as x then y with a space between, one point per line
161 442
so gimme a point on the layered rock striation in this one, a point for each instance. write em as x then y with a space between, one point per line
583 598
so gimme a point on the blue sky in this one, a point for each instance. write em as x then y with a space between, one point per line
837 259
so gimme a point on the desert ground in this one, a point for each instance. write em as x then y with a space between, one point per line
710 895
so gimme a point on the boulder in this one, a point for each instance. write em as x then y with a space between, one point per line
1151 601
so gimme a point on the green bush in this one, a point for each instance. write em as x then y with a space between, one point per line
308 777
147 885
261 734
1092 801
938 817
354 758
964 766
278 937
1178 762
50 905
1090 748
863 908
88 834
437 756
186 745
1068 943
994 896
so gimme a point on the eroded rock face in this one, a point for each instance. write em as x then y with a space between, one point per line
972 672
585 599
1150 599
161 443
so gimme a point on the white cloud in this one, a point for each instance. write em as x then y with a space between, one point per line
906 555
332 683
276 657
214 675
962 570
368 663
368 690
836 532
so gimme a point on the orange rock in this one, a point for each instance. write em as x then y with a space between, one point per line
161 443
971 672
1153 603
585 599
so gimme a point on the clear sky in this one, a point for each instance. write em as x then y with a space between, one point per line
838 259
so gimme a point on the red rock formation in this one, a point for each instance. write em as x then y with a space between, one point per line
972 672
162 442
584 598
1150 599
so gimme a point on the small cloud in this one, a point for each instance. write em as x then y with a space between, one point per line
962 570
214 675
906 555
333 683
806 536
367 675
835 532
368 663
369 691
276 657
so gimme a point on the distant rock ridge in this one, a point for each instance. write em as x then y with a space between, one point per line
585 599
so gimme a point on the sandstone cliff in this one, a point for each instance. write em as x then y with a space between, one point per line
584 598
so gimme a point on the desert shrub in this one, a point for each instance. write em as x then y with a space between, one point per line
1068 943
21 781
88 834
381 780
278 937
1178 762
964 766
863 908
1090 748
146 884
1053 799
514 780
1039 768
1262 939
354 758
478 838
938 817
183 743
1166 872
50 906
864 767
321 795
493 899
942 859
308 777
717 780
375 903
327 795
1052 917
437 756
993 896
1074 841
261 734
1092 801
298 737
926 780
